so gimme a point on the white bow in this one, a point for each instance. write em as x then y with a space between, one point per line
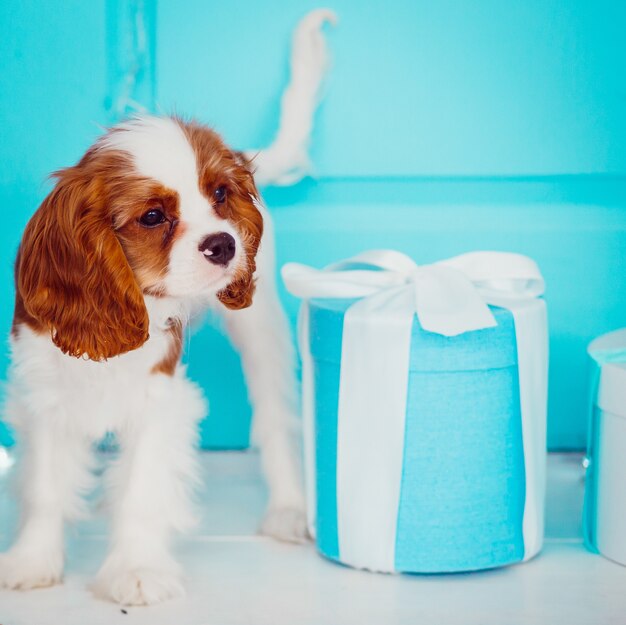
450 297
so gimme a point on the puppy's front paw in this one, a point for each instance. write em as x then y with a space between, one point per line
286 524
25 570
137 585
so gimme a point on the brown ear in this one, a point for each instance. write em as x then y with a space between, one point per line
238 294
73 277
246 217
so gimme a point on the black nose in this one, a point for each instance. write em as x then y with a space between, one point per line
218 248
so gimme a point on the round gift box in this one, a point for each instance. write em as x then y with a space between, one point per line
605 497
465 470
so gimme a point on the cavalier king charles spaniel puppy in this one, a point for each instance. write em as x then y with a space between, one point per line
158 221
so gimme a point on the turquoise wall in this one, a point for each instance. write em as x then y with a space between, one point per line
418 88
446 126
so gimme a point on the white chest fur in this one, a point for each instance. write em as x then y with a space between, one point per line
95 396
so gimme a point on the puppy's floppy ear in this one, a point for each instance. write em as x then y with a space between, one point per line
243 211
243 160
72 274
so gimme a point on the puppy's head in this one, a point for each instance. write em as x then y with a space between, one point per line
157 206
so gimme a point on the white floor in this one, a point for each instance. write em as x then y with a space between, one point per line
237 577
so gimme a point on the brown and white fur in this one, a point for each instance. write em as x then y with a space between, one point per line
105 287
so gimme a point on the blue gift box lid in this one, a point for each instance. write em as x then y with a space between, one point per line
491 348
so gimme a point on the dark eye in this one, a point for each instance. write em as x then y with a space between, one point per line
151 218
220 194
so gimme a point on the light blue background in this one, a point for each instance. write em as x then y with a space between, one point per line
446 126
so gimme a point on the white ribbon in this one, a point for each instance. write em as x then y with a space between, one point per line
450 297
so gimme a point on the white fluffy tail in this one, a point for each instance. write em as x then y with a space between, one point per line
286 160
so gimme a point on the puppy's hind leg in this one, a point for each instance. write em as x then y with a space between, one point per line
261 333
54 471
